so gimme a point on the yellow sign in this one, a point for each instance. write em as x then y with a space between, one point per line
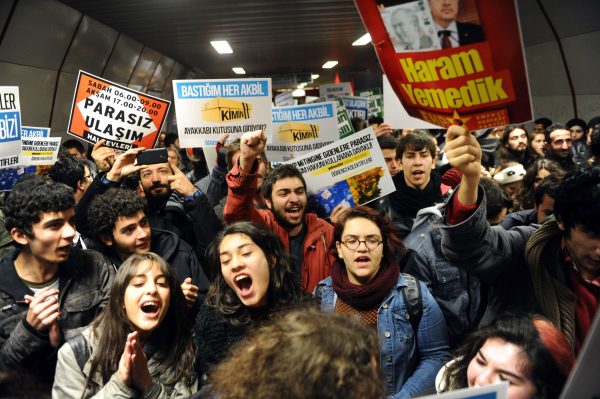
225 110
293 132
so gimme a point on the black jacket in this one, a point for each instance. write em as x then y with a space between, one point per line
84 284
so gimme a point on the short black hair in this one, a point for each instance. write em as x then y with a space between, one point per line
577 201
32 196
358 123
105 209
542 121
577 122
68 170
495 196
387 142
548 187
595 141
415 141
375 120
593 122
280 172
73 143
551 128
170 138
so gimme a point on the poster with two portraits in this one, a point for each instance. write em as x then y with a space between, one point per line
452 61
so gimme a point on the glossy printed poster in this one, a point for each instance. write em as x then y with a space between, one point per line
452 60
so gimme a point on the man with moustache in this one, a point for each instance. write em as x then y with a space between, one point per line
515 148
307 237
560 143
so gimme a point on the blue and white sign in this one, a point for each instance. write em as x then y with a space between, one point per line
10 126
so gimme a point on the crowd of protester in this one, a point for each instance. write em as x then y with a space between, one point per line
166 280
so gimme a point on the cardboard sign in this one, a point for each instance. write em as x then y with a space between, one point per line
39 151
125 118
207 109
284 99
334 90
10 126
496 391
351 171
10 176
472 71
301 129
375 105
357 107
28 132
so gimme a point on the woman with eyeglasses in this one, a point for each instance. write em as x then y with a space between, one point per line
366 282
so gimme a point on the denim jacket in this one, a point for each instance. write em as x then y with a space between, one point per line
407 368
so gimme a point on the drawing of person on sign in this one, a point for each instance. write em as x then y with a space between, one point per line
409 27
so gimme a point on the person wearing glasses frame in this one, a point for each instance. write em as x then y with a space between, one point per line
366 282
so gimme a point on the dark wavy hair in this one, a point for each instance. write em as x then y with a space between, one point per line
303 354
173 336
577 200
106 208
550 357
417 140
283 288
280 172
393 247
68 170
32 196
526 195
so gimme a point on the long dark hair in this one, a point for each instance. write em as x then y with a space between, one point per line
526 194
393 247
283 288
549 355
175 346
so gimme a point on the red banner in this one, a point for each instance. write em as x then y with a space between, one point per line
450 60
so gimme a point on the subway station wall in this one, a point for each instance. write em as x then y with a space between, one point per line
44 45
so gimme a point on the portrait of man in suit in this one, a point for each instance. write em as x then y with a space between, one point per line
451 32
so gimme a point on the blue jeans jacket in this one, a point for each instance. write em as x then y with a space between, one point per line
407 368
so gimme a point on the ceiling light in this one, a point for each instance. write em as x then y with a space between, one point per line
239 70
222 46
298 93
329 64
364 39
302 85
315 76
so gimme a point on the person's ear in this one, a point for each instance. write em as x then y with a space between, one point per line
19 236
106 239
561 225
269 203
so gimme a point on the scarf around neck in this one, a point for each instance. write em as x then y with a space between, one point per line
408 201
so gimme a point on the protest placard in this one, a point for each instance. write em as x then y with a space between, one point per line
206 109
39 151
11 175
351 171
284 99
301 129
125 118
344 125
10 126
357 107
375 106
495 391
28 132
333 90
472 72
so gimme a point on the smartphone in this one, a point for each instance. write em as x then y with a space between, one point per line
148 157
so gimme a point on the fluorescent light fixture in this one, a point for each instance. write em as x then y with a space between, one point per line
361 41
222 46
298 93
315 76
329 64
239 70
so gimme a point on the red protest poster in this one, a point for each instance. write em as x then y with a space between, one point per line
125 118
450 60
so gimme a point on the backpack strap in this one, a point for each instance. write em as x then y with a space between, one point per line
413 300
79 346
319 294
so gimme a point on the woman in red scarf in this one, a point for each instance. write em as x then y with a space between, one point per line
366 282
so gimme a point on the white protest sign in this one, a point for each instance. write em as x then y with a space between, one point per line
396 115
351 171
334 90
357 107
10 126
206 109
301 129
28 132
39 151
284 99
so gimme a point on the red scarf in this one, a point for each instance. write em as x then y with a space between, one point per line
364 297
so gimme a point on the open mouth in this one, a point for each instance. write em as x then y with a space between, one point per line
362 260
294 211
418 174
150 308
65 249
244 284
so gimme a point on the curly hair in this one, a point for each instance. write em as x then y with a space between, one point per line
105 209
32 196
173 336
577 201
525 196
68 170
393 247
304 354
549 355
283 290
280 172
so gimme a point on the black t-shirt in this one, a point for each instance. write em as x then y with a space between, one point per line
297 252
